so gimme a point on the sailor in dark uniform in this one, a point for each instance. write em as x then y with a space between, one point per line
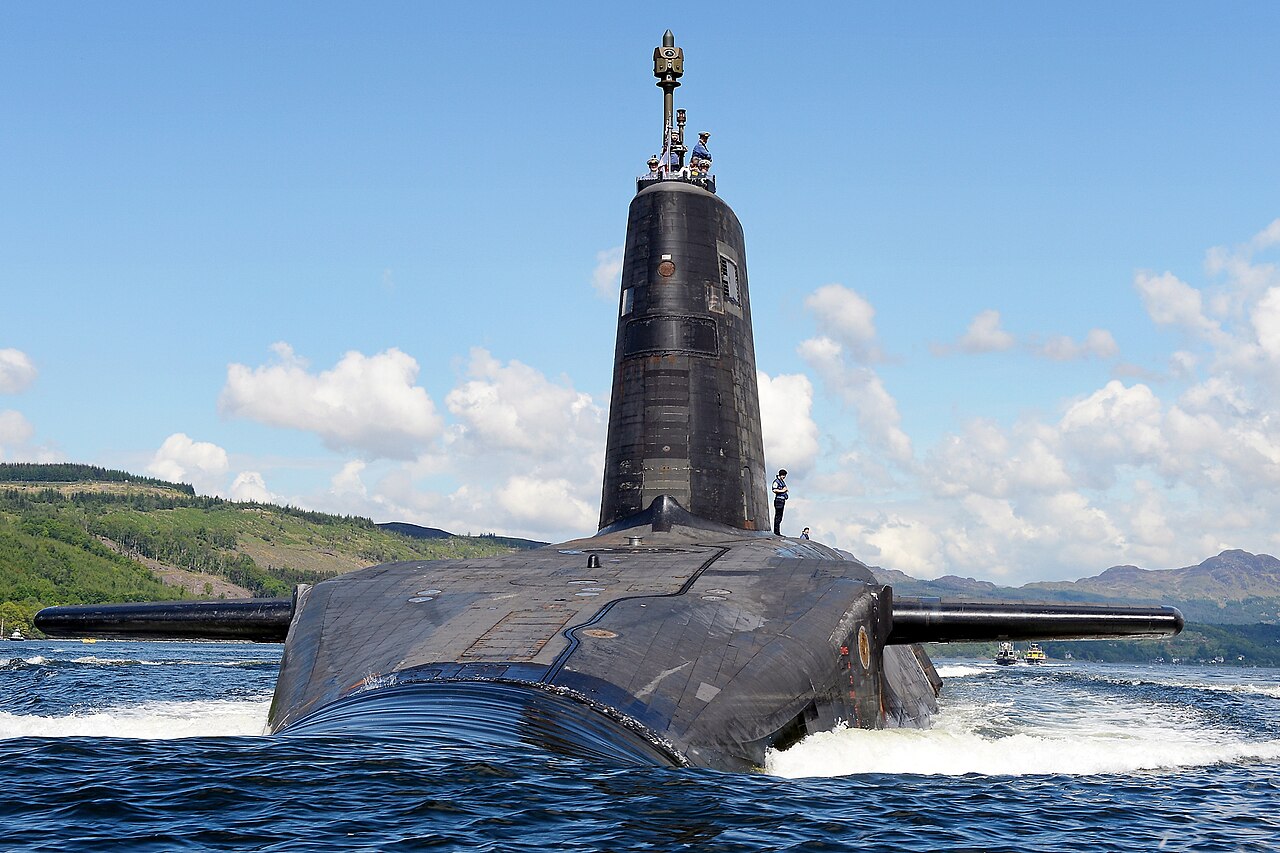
700 157
779 500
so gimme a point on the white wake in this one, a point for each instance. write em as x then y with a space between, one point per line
147 721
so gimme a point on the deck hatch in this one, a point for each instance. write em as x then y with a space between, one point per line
518 636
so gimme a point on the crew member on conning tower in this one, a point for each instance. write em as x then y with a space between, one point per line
700 158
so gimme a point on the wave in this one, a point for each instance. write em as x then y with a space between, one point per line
147 721
1239 683
958 670
942 752
1072 724
94 660
1246 688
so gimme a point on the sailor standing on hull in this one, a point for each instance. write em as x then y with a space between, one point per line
780 493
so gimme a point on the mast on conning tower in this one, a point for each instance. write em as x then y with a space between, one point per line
668 67
669 164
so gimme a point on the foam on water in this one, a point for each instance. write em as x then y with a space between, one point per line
1238 683
147 721
941 752
958 670
1066 731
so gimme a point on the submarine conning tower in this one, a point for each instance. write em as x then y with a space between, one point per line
684 417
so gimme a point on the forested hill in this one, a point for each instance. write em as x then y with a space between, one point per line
78 534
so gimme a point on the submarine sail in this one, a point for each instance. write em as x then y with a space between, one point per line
683 632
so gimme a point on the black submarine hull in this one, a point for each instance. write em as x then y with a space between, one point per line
707 644
668 640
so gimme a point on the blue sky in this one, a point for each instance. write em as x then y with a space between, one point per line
1012 265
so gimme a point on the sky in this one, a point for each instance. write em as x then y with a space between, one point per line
1013 266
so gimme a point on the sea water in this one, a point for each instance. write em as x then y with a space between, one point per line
161 746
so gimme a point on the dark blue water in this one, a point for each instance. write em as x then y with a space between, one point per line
158 746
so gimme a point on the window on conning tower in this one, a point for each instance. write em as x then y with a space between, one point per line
729 280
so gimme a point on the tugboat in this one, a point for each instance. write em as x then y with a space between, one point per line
1034 655
1006 656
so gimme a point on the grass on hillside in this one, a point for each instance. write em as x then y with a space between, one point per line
82 542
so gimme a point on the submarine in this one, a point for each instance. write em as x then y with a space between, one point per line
684 632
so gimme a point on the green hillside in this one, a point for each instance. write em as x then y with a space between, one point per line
76 534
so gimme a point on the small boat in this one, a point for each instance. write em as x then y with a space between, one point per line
1034 654
16 635
1006 655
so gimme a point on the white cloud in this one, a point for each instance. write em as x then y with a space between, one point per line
545 504
17 371
986 460
1267 237
844 315
348 481
985 335
606 278
1097 344
1172 302
1157 471
909 545
522 455
1116 425
181 460
15 430
16 433
786 420
365 403
513 408
861 388
1266 323
250 486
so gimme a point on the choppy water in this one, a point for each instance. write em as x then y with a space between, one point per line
159 746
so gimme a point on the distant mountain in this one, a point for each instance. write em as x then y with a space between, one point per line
415 531
1235 587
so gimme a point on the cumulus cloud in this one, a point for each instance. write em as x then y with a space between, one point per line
985 335
1158 468
250 486
16 434
15 430
17 371
537 502
348 481
606 278
1098 343
365 403
786 420
514 408
182 460
847 317
521 454
862 390
1172 302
